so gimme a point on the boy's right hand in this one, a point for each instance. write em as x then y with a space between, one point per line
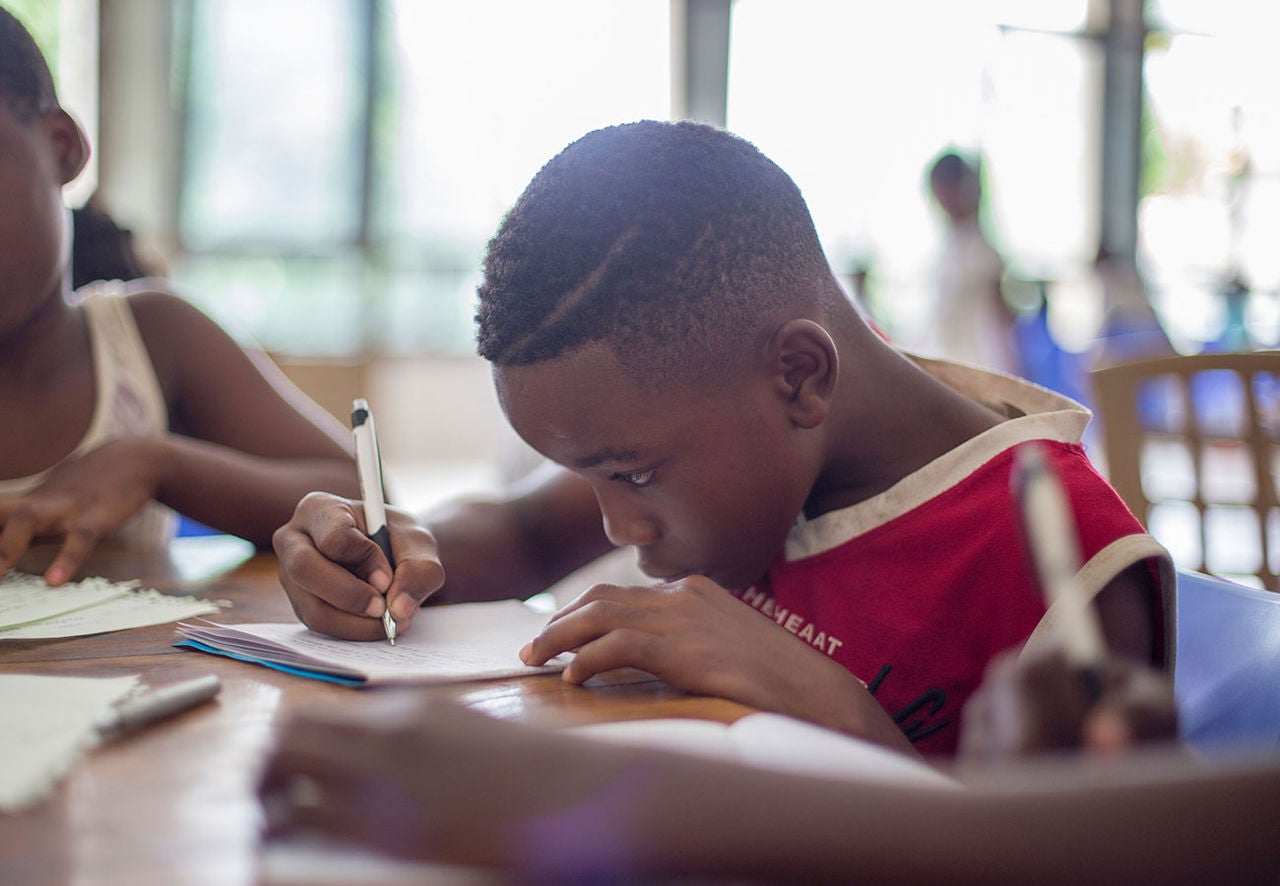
337 578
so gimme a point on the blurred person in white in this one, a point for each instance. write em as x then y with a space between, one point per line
972 322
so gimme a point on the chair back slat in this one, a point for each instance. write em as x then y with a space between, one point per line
1123 394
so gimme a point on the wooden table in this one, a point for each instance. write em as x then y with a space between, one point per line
176 803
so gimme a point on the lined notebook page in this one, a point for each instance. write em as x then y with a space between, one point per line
463 641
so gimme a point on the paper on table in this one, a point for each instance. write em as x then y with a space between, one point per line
313 860
31 610
465 641
26 598
59 717
773 741
138 609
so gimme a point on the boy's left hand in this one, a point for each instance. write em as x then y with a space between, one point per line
696 636
81 500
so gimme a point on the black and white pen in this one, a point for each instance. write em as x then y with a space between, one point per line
369 466
1055 550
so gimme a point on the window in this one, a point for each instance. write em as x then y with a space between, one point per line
855 100
1211 206
346 161
67 33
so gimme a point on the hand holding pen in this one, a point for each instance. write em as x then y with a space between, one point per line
1054 544
1076 695
1033 704
369 465
339 582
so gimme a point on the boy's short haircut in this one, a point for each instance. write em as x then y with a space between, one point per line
26 85
668 241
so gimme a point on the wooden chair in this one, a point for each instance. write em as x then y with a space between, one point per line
1199 437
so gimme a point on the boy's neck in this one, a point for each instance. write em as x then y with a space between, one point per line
891 419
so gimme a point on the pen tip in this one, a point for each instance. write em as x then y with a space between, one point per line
391 640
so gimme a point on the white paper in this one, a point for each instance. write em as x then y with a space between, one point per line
26 598
311 860
466 641
31 610
137 609
772 741
50 721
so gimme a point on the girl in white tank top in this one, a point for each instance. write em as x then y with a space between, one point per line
128 400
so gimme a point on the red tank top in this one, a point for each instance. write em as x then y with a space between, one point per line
918 605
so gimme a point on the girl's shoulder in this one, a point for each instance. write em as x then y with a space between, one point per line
149 301
165 317
172 330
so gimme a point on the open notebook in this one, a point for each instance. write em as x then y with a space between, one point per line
464 641
774 741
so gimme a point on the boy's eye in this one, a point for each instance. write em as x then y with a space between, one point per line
634 478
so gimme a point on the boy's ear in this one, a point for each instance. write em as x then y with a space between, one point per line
71 147
805 365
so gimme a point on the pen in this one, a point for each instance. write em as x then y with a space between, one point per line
1055 550
158 704
369 466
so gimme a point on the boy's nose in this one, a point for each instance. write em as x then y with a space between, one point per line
625 527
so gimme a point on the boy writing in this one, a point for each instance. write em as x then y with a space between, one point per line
663 325
108 402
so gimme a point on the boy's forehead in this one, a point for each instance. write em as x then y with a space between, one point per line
589 404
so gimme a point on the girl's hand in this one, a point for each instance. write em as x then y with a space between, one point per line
82 500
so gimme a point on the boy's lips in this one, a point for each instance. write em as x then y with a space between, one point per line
664 573
669 574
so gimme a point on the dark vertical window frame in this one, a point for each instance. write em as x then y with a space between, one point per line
179 82
1123 46
369 21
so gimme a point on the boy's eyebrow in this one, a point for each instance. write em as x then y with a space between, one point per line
598 458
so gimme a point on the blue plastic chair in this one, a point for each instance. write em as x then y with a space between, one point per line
1227 674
